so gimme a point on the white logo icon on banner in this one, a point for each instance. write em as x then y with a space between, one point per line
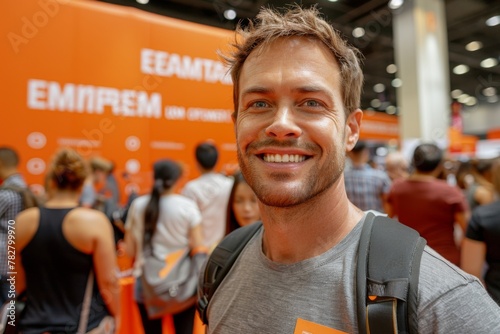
36 140
132 143
35 166
132 166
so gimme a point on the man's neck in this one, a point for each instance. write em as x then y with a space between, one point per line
310 229
421 176
205 171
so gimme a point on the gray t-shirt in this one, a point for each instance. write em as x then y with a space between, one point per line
261 296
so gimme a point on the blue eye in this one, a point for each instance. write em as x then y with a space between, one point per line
312 103
260 104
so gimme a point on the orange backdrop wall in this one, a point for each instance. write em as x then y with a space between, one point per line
111 81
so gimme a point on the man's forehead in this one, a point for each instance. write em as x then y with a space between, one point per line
290 42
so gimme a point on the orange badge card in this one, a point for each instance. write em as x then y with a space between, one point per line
308 327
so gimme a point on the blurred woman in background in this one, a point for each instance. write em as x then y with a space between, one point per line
242 207
480 191
167 222
61 245
482 242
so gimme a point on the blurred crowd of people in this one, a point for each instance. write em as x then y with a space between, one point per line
81 218
79 228
454 204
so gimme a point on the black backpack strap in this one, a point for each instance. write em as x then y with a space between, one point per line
220 262
388 267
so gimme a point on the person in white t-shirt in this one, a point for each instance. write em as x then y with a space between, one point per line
166 222
211 192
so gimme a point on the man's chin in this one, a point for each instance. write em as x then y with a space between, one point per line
278 198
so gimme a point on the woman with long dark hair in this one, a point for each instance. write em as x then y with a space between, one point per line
166 222
242 206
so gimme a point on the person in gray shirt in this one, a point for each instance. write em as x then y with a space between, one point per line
297 89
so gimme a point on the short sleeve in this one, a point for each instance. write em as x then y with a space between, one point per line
458 201
187 191
192 213
474 229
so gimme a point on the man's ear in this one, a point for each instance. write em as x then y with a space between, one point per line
352 129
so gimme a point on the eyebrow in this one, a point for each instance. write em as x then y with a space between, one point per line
264 90
309 89
257 90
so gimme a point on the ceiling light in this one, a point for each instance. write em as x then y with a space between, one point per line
229 14
456 93
489 91
395 4
333 0
142 2
489 62
391 110
493 99
358 32
493 21
396 83
375 103
471 100
473 46
463 98
391 68
379 88
461 69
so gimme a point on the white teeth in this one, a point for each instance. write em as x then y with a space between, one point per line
284 158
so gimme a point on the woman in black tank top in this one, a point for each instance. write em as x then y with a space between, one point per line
59 246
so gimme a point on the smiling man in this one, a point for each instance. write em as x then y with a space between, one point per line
297 88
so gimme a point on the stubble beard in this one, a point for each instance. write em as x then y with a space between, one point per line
315 182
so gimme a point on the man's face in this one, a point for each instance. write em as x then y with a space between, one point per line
291 129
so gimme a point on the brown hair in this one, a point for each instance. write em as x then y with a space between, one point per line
231 221
270 25
9 157
98 163
166 174
68 170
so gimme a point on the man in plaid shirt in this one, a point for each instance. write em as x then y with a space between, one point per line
11 203
366 187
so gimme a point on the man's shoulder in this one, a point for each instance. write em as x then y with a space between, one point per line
450 300
491 210
10 193
209 179
181 201
438 277
367 171
443 184
14 185
193 183
141 201
14 181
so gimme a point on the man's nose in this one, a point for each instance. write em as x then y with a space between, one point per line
283 124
